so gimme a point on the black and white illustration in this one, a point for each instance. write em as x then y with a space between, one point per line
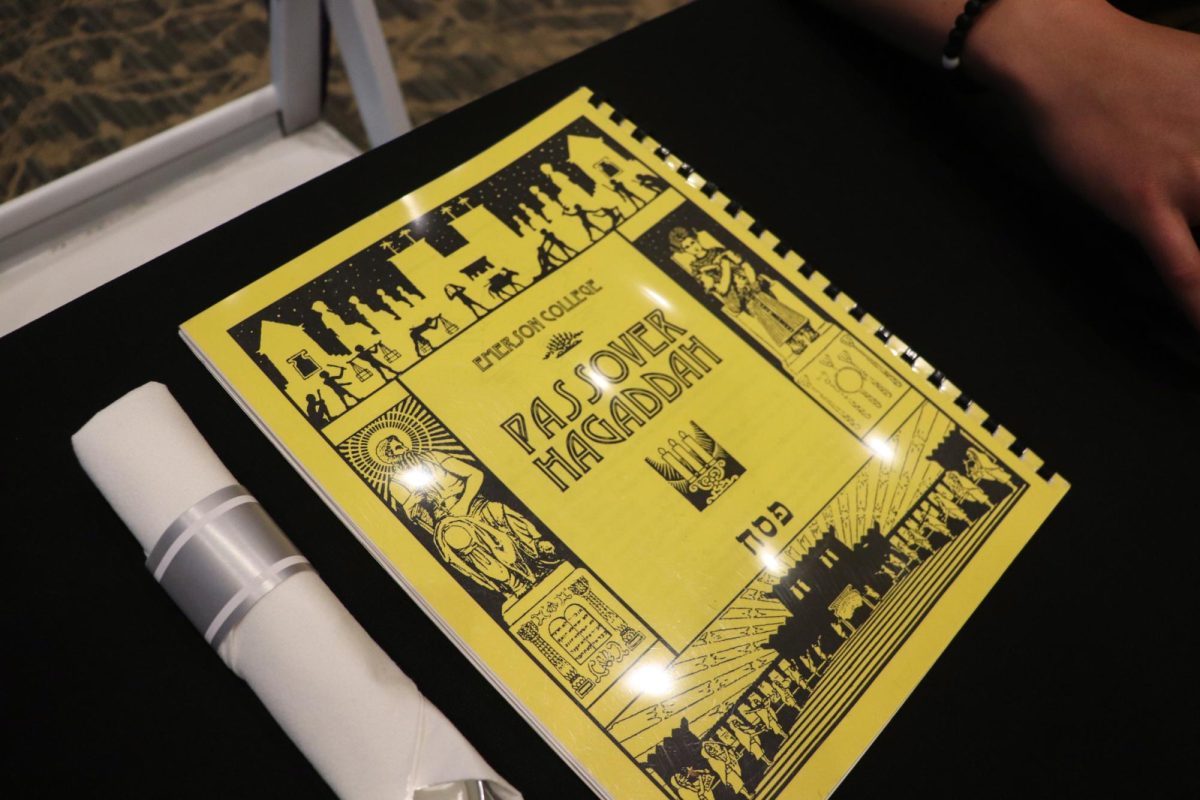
469 520
344 335
696 465
754 695
730 280
518 571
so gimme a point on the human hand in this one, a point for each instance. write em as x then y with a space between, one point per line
1114 103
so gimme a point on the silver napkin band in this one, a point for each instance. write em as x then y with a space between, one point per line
473 789
220 557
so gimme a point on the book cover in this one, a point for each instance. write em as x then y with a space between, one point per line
703 520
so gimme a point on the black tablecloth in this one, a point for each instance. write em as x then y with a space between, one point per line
906 191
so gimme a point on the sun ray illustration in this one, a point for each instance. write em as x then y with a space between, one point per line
414 426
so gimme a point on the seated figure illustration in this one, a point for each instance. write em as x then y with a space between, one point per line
691 782
744 293
749 736
724 762
487 541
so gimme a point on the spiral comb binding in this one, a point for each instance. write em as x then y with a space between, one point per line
737 215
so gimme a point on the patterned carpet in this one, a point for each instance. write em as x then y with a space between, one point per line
80 79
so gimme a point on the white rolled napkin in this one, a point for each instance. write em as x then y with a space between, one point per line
360 721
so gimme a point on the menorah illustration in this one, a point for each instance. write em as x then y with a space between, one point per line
696 466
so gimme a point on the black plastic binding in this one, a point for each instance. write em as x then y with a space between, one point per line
758 229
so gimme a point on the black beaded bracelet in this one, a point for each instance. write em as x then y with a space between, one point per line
952 52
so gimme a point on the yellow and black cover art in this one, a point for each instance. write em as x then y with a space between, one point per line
690 513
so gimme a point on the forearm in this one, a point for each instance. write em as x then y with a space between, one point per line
1010 47
1113 102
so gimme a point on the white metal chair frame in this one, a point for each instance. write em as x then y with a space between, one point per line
293 97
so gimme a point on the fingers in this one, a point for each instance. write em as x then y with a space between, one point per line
1169 241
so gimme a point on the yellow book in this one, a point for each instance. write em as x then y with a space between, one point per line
702 520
